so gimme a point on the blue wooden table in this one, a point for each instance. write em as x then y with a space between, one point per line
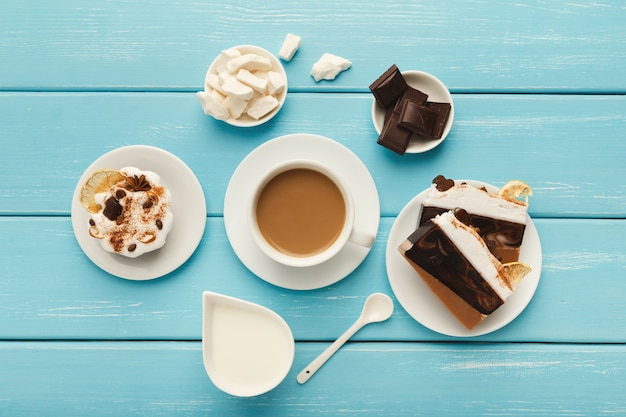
538 89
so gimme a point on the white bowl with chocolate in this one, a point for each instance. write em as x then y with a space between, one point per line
245 86
412 111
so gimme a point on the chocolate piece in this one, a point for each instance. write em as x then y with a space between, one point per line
388 87
416 117
462 216
415 95
442 110
443 183
112 209
436 254
392 136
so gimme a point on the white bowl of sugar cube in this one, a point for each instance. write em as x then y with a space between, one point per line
244 86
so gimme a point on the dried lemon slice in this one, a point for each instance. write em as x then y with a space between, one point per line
515 271
100 181
515 189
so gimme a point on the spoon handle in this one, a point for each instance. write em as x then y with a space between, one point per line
317 363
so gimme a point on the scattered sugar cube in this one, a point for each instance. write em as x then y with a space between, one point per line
289 47
262 106
212 106
329 66
234 87
251 80
251 62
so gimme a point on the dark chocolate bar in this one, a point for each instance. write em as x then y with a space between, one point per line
388 87
392 136
442 110
416 117
415 95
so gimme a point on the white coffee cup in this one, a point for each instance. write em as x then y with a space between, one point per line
346 232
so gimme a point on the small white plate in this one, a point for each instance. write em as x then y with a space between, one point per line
244 120
424 306
247 349
320 149
188 206
436 91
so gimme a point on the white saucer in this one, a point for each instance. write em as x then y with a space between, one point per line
437 91
188 206
317 148
420 302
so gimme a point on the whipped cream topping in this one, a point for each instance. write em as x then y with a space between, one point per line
135 218
478 202
474 249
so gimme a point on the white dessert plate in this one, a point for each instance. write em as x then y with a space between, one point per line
244 120
437 91
247 349
424 306
188 207
320 149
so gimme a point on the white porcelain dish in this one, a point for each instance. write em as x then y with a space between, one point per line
437 91
325 151
424 306
247 349
244 120
188 206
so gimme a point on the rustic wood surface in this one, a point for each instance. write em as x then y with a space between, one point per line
539 92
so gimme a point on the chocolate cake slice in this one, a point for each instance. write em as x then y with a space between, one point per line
499 217
454 261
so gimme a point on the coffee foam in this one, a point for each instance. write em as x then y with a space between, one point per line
137 225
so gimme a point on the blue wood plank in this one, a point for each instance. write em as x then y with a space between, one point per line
50 290
470 45
418 379
566 147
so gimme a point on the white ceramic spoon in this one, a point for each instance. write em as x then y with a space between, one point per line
377 307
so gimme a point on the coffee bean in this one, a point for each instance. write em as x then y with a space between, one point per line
120 194
159 224
147 204
132 247
91 222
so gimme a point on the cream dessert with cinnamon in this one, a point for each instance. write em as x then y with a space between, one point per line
499 217
130 210
455 263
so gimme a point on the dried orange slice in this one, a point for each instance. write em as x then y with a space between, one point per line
515 271
515 189
100 181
